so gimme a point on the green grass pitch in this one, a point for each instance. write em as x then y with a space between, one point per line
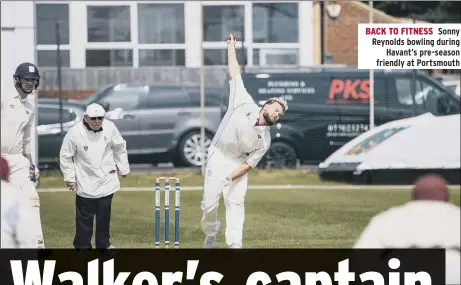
274 218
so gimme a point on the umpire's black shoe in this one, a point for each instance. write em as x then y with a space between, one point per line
110 251
83 251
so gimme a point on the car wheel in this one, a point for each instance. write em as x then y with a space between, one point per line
280 155
189 149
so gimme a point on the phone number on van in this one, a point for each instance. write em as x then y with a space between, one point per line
346 130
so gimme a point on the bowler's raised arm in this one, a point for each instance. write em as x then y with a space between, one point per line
233 65
237 94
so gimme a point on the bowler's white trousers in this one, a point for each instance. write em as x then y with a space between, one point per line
218 168
19 178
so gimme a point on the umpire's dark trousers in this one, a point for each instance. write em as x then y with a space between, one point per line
86 210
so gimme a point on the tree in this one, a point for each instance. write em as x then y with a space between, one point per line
430 11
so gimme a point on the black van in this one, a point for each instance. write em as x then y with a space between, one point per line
330 106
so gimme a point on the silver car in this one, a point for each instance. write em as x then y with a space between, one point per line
161 123
49 128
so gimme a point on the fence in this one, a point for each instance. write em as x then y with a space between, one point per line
92 79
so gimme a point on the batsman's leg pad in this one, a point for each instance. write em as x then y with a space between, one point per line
36 219
19 178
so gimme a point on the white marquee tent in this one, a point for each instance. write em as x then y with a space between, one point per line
422 142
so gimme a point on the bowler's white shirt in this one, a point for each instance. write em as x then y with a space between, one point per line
15 219
237 134
17 122
419 224
91 159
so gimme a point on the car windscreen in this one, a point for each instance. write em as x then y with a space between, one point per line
96 96
213 96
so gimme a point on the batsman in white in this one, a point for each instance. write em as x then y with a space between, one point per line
18 119
15 214
241 141
92 155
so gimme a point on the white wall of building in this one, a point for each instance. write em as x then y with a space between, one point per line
18 45
78 43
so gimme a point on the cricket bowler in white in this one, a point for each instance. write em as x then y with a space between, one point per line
15 214
17 121
241 141
92 155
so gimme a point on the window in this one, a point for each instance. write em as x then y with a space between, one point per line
452 87
166 97
48 58
275 23
48 116
213 96
107 58
275 33
423 91
427 96
48 15
108 23
49 18
162 57
219 56
153 33
96 96
436 100
220 21
126 98
268 56
161 23
403 86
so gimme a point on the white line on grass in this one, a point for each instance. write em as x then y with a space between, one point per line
267 187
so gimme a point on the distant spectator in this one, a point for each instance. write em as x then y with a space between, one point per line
429 220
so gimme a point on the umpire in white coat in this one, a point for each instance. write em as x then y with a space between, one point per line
93 153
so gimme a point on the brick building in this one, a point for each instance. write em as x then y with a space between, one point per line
340 34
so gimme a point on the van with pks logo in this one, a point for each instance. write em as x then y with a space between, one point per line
357 90
330 106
